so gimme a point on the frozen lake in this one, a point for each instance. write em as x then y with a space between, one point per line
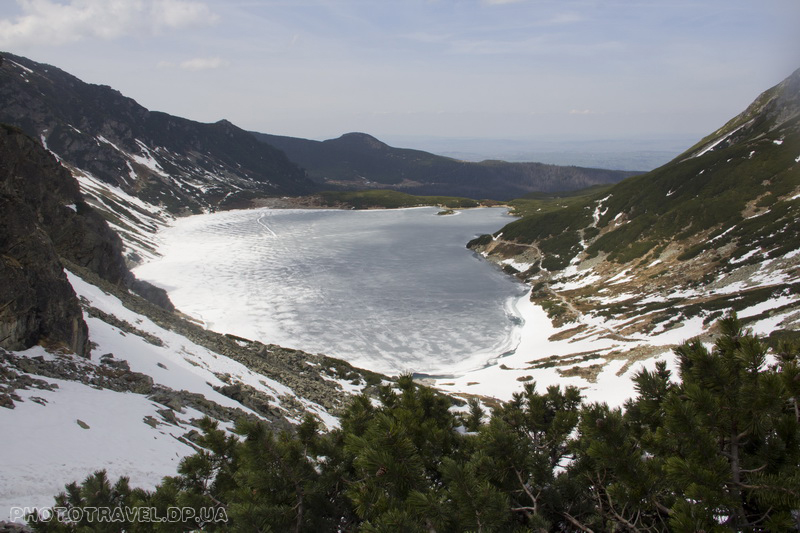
390 290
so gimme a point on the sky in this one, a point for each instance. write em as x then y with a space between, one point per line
566 70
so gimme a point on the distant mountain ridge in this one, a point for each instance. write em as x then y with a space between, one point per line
139 167
358 160
162 159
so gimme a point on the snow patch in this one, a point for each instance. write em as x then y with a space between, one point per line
722 234
773 303
718 141
745 257
619 278
26 69
106 141
516 265
597 211
148 160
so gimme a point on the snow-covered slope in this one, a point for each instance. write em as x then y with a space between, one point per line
131 407
135 221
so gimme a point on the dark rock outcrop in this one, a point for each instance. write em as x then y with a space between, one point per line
78 233
37 303
44 223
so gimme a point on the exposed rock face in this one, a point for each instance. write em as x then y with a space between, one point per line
37 303
77 232
44 222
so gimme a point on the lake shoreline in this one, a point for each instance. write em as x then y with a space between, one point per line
289 255
316 202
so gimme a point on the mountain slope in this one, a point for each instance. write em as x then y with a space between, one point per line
716 229
361 161
93 376
162 159
134 406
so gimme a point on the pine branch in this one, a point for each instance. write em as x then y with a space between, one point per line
620 517
572 520
528 492
663 508
768 487
759 469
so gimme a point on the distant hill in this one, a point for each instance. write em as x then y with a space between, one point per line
358 160
162 159
717 228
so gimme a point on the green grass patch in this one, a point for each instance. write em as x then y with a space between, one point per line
389 199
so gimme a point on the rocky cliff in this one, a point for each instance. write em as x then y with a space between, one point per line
38 303
45 223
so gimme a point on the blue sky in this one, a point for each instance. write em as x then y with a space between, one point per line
495 69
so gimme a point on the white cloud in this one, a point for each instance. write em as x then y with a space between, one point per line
203 63
197 63
566 18
499 2
49 22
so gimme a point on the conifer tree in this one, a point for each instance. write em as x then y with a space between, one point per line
80 506
730 437
396 457
277 482
203 483
525 445
474 419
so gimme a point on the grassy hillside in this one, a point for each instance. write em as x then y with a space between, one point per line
716 229
385 198
735 186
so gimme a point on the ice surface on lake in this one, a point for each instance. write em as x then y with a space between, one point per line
390 290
